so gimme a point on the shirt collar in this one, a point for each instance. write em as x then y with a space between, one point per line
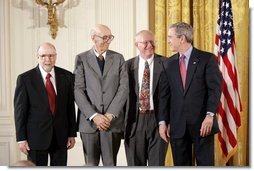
97 54
187 54
44 73
150 60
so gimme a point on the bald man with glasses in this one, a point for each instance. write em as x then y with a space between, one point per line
44 110
101 90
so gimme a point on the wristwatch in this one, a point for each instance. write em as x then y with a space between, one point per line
210 114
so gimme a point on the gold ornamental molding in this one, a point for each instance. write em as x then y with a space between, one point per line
52 15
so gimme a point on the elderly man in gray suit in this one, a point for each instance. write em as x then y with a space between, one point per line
101 90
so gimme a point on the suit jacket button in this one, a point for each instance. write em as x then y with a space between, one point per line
102 105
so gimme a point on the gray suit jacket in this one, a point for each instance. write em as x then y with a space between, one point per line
96 92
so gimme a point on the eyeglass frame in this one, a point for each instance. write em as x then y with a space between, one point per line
106 38
50 56
146 42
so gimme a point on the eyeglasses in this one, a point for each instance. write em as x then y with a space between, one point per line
146 42
50 56
106 38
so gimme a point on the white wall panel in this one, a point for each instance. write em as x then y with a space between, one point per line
8 146
8 152
4 149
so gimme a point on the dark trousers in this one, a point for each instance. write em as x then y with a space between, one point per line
58 156
203 150
146 147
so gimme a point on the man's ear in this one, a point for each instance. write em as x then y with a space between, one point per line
183 38
93 38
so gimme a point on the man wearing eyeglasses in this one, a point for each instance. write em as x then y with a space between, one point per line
142 140
101 89
44 110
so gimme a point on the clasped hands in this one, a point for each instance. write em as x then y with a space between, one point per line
102 122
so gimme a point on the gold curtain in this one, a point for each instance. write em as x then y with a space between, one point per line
203 15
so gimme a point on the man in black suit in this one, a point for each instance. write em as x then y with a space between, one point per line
45 125
190 90
143 144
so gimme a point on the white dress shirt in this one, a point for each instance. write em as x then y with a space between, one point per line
52 78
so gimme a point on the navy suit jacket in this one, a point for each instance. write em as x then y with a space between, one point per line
186 108
33 119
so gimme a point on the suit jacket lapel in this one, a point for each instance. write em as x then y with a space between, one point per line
59 84
156 71
177 74
108 62
192 66
40 86
134 72
92 61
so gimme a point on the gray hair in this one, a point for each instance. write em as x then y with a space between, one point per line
46 43
143 31
183 29
98 28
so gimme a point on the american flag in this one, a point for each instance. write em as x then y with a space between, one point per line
230 104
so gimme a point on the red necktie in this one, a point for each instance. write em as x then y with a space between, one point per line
183 69
51 93
144 96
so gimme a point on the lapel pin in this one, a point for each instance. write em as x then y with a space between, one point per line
194 63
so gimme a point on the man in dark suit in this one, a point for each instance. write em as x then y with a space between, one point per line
190 90
45 125
101 90
143 144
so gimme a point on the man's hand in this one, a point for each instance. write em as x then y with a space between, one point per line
206 126
102 122
70 142
109 116
164 132
24 147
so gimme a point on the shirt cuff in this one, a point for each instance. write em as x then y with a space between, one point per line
91 118
162 123
19 142
210 113
112 115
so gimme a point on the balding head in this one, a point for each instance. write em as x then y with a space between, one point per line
46 55
101 37
100 29
46 44
145 43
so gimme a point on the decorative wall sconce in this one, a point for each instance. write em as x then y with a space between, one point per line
52 16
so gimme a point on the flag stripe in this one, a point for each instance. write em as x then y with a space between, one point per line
233 111
229 118
223 145
230 135
230 104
